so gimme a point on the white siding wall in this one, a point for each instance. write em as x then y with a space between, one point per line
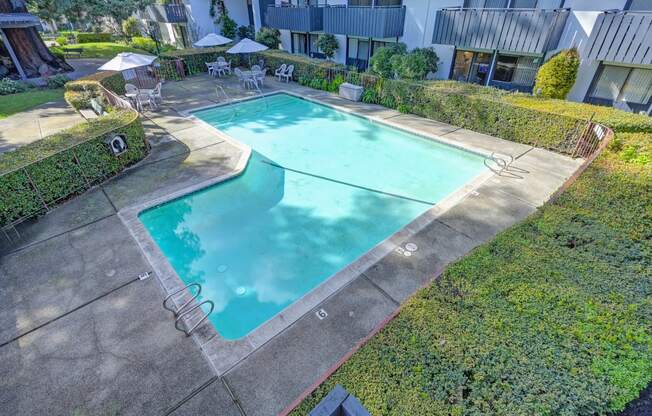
198 12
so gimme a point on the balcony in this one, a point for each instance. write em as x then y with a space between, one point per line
622 37
166 13
533 31
298 19
365 21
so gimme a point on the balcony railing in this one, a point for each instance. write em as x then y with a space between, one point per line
166 13
365 21
622 37
299 19
176 13
510 30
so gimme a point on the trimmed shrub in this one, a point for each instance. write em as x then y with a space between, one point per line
269 37
94 37
61 40
145 44
415 65
247 32
131 27
556 77
57 81
328 45
381 62
66 164
80 92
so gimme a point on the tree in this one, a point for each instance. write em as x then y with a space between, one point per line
33 56
119 10
269 37
328 45
131 27
381 62
556 77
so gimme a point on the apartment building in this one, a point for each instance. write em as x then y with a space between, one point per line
182 22
499 43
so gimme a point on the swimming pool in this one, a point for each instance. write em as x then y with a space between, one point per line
321 188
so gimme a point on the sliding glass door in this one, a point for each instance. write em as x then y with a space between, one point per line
622 87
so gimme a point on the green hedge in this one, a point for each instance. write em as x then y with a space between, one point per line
57 173
67 163
80 92
93 37
550 318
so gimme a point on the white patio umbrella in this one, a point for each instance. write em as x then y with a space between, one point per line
247 46
127 60
211 39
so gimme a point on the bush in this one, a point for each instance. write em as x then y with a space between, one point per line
80 92
62 41
269 37
381 62
415 65
328 45
131 27
556 77
94 37
9 86
57 81
247 32
66 164
145 44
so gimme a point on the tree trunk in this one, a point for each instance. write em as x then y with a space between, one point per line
32 53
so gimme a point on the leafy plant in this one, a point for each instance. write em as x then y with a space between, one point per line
246 32
10 86
94 37
381 63
328 45
61 40
269 37
143 43
57 81
131 27
229 26
556 77
415 65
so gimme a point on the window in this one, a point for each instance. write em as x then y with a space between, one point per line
622 87
505 68
358 53
471 66
375 2
313 49
300 43
518 70
523 4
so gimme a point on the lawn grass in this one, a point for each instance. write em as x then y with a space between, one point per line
103 49
15 103
553 317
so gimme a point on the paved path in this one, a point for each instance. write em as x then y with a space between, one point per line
78 332
36 123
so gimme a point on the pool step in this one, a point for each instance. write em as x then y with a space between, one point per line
184 313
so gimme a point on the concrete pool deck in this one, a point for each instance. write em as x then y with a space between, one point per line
81 333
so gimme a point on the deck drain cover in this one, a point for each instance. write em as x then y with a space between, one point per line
241 290
222 268
411 247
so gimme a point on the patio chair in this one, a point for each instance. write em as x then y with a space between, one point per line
288 74
155 94
279 72
255 68
227 68
132 92
261 76
221 59
244 80
211 68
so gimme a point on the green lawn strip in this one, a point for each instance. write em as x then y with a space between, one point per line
553 317
15 103
102 49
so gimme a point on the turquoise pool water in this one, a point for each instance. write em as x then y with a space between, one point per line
322 187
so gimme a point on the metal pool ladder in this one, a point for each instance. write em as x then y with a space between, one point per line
185 310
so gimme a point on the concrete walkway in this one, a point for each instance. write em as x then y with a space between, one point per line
80 333
36 123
